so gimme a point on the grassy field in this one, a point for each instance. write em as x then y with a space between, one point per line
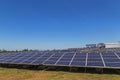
24 74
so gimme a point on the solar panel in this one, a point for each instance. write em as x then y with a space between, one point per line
118 54
65 59
50 62
111 60
78 63
114 64
93 60
95 63
79 60
82 59
53 59
39 60
63 63
29 59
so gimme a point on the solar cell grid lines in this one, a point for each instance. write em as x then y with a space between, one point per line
118 54
39 60
8 57
65 59
29 59
69 59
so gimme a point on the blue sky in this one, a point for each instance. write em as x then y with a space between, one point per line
49 24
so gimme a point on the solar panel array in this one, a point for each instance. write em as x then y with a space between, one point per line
101 60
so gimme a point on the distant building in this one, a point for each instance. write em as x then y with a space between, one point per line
91 45
104 45
112 45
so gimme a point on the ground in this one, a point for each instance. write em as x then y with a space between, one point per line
24 74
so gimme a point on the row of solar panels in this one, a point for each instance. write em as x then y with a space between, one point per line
102 60
113 50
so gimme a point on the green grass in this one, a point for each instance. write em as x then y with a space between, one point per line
22 74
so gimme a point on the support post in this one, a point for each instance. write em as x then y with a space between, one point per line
70 69
85 69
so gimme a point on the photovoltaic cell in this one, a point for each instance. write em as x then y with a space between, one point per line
64 63
95 64
113 64
50 62
78 63
93 59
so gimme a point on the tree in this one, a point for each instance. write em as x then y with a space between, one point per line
25 50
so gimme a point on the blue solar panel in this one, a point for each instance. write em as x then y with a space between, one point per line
53 59
95 64
64 59
78 59
37 62
95 57
113 64
106 59
78 63
67 56
93 54
10 60
30 59
118 54
41 59
27 62
93 60
47 55
110 57
17 61
58 55
108 54
64 63
111 60
50 62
